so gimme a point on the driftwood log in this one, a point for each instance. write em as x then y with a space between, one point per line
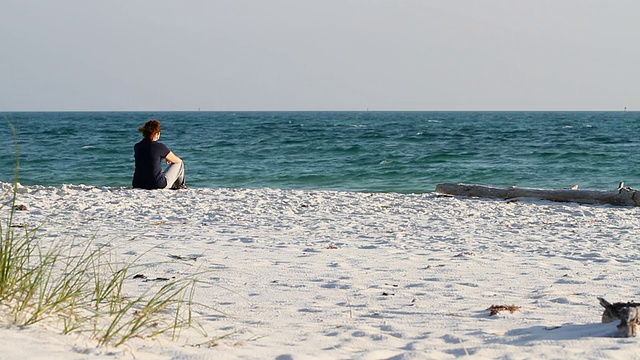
623 196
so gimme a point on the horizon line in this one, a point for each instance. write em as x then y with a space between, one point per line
352 110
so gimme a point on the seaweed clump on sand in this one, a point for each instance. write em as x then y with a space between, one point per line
496 309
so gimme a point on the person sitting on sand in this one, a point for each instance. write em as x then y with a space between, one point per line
149 153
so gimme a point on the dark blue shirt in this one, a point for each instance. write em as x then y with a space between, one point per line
148 172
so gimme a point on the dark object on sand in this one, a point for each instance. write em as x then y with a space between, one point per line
496 309
627 313
623 196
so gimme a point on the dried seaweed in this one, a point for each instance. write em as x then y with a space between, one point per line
496 309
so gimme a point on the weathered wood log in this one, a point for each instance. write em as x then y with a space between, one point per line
623 196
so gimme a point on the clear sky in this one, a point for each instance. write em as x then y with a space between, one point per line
319 55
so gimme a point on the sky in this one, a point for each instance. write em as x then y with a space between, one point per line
280 55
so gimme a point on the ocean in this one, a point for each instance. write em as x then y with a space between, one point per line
368 151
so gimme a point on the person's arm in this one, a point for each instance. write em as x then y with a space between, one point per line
172 158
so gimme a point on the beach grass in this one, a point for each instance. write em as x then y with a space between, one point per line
79 286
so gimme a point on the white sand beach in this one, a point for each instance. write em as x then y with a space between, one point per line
337 275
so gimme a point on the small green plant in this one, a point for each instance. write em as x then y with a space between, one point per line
84 289
148 315
81 288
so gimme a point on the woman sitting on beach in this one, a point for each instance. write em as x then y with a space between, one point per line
148 154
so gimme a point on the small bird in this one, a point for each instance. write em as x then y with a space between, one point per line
613 312
628 322
574 187
620 186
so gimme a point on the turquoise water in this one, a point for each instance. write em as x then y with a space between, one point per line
408 152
